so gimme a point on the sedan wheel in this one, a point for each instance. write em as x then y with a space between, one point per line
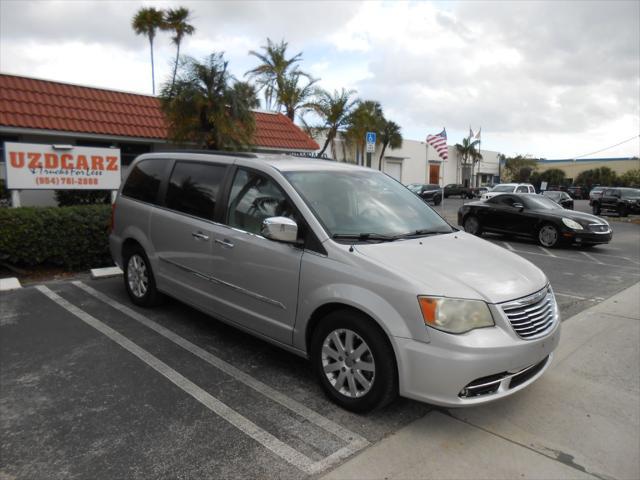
472 225
548 236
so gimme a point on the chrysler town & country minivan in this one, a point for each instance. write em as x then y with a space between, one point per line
340 264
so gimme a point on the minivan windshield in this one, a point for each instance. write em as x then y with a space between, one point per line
368 204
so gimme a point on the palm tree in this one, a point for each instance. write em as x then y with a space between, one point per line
207 107
294 97
271 73
390 136
366 117
468 153
176 20
147 21
334 110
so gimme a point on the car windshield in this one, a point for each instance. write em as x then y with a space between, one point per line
432 187
538 202
365 203
553 195
503 188
414 187
630 192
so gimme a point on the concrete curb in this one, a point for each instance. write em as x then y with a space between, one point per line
108 272
11 283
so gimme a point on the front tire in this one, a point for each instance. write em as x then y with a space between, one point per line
138 278
549 236
437 201
354 361
622 211
472 225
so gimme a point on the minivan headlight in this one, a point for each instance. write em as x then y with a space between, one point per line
455 315
572 224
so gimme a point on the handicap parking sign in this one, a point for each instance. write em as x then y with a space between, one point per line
371 137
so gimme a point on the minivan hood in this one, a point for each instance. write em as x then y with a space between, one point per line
459 265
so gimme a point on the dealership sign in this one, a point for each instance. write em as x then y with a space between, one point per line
32 166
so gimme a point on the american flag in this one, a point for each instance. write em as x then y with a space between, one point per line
439 142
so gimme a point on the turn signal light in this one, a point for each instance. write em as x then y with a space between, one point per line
428 307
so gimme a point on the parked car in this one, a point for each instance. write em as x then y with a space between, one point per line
509 188
429 193
534 216
477 192
595 193
561 198
577 192
457 189
620 200
340 264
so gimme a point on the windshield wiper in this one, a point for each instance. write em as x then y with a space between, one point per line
365 236
421 233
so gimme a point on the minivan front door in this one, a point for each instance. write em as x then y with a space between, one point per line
259 277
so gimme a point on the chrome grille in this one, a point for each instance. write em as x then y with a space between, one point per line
532 316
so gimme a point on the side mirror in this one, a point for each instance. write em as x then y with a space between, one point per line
518 206
280 229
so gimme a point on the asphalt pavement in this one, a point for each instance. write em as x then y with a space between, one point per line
94 387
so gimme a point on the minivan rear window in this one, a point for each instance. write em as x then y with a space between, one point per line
144 180
193 188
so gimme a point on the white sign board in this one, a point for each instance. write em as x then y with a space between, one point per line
371 147
543 186
33 166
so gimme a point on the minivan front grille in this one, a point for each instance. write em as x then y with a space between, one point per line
532 316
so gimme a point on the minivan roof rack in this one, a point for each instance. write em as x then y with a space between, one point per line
217 152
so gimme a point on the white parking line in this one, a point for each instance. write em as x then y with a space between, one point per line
261 436
592 258
508 245
547 252
527 252
577 297
626 259
354 441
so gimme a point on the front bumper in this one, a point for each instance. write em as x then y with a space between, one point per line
439 372
588 237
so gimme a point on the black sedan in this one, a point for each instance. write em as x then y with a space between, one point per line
429 193
534 216
561 198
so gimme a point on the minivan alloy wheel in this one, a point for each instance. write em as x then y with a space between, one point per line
137 275
348 363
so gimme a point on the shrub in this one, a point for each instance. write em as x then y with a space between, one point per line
68 198
74 238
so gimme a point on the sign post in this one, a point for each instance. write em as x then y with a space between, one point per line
371 147
34 166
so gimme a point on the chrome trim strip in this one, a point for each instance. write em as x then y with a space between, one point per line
211 279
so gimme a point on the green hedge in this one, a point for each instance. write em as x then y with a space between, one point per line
74 238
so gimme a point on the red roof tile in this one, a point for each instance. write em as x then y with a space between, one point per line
31 103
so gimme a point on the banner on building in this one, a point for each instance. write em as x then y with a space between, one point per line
33 166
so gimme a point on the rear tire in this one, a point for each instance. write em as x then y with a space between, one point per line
596 209
472 225
623 211
139 280
343 341
437 201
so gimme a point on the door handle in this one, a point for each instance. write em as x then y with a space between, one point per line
199 236
225 243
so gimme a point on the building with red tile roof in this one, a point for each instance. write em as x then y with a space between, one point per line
31 109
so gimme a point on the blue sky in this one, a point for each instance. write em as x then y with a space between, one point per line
549 79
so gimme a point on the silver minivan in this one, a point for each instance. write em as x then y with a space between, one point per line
339 264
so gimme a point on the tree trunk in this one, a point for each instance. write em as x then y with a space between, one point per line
175 68
153 76
384 147
326 143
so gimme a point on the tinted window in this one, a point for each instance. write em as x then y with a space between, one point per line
253 198
538 202
144 180
555 196
630 192
193 188
503 188
507 200
522 189
610 193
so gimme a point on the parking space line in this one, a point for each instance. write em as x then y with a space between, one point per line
592 258
627 259
547 252
354 441
508 245
284 451
577 297
526 252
